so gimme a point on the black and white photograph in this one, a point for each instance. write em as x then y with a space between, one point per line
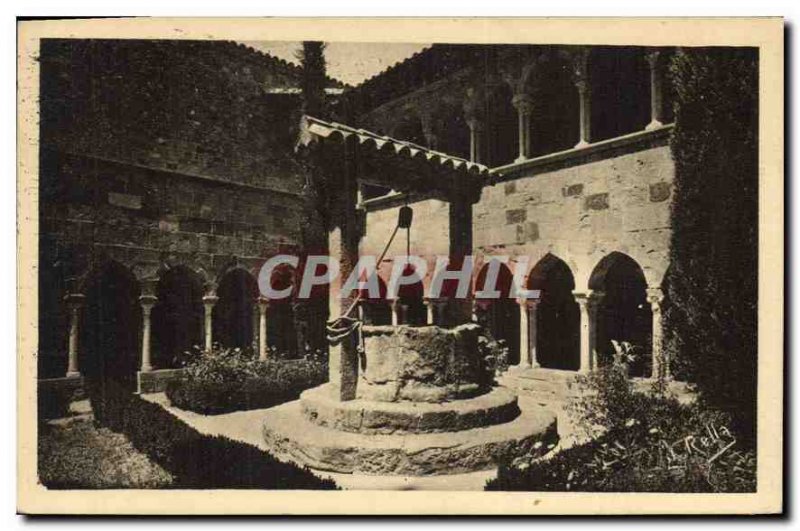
450 266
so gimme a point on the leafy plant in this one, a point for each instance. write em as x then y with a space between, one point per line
225 380
641 442
196 460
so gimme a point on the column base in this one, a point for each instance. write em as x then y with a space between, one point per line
73 374
146 368
521 159
582 144
655 124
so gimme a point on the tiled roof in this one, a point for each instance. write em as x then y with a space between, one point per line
385 144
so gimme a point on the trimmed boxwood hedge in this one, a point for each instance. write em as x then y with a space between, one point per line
226 381
196 461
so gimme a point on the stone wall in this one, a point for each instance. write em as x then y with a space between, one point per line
156 154
580 206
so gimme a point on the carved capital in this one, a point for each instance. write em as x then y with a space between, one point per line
75 301
523 103
652 57
655 296
147 302
588 300
209 301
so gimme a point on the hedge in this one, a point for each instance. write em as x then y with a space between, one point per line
232 381
197 461
712 283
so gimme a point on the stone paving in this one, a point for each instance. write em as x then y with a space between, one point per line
246 427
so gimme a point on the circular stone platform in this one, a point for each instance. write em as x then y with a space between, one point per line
320 406
291 435
424 403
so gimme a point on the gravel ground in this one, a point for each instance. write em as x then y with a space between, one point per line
74 453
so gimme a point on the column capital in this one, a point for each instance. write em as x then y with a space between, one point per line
523 103
655 296
588 299
652 56
75 300
148 301
210 300
580 67
475 124
528 303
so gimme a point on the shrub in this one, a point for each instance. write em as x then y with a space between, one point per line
494 354
231 380
196 460
644 443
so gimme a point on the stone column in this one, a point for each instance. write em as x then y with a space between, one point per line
588 302
533 330
524 338
524 105
584 97
660 365
656 103
460 219
475 139
429 308
262 328
74 304
208 304
396 309
147 302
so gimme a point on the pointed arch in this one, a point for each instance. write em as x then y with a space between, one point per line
410 301
111 326
500 315
557 337
233 315
177 317
624 315
376 310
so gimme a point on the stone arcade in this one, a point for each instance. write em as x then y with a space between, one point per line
153 223
413 400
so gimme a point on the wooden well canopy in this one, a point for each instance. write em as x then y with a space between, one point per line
397 164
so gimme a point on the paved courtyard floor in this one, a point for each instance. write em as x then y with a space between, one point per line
245 426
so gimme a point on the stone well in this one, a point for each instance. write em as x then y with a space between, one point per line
424 404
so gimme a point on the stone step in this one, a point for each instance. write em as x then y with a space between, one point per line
320 406
290 435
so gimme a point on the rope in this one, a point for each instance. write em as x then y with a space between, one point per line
344 325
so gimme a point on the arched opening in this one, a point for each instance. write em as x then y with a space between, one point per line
110 335
454 133
410 299
502 129
233 314
53 321
557 315
281 332
624 315
620 90
177 317
555 115
410 129
500 316
376 311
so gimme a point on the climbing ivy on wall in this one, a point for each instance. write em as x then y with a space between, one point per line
712 281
